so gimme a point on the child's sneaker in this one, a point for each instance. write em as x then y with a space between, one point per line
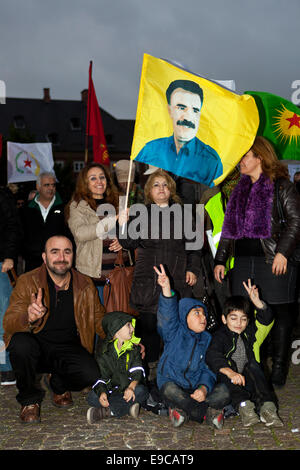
214 418
268 415
95 415
134 410
247 413
177 417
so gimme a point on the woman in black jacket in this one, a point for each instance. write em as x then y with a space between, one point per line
154 246
262 248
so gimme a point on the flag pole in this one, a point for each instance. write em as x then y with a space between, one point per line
86 151
127 190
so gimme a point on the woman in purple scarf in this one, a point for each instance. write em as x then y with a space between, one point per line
262 248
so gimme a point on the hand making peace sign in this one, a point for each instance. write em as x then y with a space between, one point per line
163 280
253 294
36 309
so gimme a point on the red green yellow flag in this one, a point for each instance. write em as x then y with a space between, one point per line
279 123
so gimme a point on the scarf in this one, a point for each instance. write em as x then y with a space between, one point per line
249 209
228 185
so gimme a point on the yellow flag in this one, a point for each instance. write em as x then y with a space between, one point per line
191 126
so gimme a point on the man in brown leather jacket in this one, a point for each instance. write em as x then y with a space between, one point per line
50 326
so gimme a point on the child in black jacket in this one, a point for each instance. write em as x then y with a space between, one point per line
120 389
234 356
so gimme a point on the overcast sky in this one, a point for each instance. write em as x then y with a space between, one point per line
49 43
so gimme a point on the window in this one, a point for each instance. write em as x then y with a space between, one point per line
77 166
109 139
19 122
75 124
59 163
53 138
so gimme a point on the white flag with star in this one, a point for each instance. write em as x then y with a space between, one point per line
25 162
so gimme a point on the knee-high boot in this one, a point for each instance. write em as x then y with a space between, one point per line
280 342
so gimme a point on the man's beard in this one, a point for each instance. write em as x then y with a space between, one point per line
58 271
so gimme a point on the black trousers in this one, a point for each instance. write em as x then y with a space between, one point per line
279 292
256 388
71 366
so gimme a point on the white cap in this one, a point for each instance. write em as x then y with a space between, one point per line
151 169
122 171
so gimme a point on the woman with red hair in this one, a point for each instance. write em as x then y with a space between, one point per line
263 247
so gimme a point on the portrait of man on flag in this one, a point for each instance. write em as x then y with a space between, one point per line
190 126
184 98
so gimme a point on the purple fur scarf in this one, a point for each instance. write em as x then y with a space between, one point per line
249 209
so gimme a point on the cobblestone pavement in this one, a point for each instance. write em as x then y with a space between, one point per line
68 429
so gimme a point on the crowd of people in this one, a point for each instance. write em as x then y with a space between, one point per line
53 320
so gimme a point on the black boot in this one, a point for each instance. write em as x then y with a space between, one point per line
280 341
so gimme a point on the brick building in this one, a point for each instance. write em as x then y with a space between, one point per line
63 123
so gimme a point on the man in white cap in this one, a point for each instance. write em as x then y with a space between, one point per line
122 174
151 169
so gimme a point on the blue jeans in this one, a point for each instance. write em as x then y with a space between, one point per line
117 404
5 292
175 396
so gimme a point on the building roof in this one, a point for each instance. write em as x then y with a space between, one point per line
62 122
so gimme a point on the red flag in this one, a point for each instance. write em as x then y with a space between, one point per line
94 126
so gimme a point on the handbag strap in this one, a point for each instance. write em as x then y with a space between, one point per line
12 275
119 259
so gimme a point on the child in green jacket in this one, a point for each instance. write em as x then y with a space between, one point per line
119 391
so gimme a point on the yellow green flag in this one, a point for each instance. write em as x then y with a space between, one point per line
279 123
190 126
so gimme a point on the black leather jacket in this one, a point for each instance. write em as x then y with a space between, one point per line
282 240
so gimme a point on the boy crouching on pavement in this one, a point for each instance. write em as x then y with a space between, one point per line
119 390
233 355
183 378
